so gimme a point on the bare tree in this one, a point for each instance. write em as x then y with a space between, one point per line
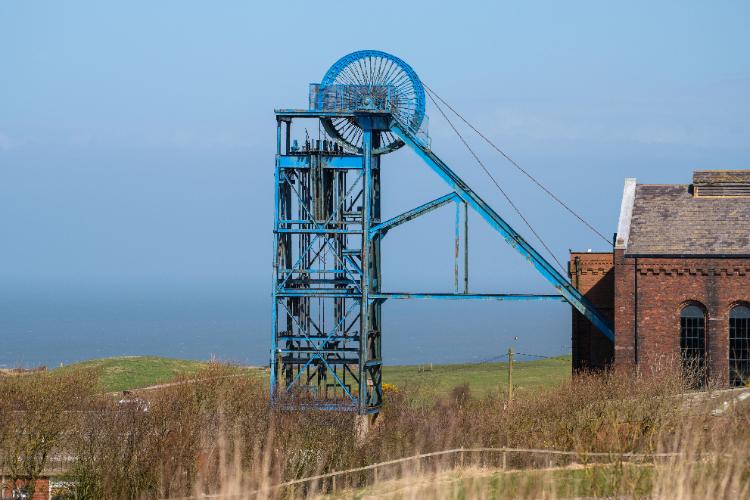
39 409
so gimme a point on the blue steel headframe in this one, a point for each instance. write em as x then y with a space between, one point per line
327 286
375 68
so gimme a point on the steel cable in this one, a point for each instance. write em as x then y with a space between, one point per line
497 184
513 162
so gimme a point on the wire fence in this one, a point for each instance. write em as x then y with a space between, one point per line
501 358
473 456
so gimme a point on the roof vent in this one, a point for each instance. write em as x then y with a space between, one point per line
721 183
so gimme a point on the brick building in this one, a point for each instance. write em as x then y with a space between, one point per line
677 284
42 490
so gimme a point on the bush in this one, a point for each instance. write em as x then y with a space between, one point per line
215 431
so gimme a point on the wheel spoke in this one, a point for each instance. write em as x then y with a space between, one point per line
369 73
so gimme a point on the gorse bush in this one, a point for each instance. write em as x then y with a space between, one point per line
215 432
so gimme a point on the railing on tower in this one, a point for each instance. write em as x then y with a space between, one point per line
363 98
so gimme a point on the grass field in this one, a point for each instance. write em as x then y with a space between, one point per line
134 372
483 378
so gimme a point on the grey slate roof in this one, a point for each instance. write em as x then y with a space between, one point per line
669 220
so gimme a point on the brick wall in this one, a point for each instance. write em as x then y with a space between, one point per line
624 298
649 295
592 274
41 488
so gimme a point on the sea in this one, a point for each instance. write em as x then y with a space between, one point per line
60 329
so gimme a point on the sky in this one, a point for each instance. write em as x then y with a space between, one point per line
137 144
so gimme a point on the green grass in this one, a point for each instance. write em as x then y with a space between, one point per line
134 372
596 481
483 378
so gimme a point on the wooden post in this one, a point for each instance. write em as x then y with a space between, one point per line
510 374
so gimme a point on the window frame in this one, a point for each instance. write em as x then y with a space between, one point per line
739 355
693 342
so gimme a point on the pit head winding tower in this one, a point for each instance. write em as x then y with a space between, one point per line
327 281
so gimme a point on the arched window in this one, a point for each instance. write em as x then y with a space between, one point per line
739 345
693 342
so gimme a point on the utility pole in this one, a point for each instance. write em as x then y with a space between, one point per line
510 373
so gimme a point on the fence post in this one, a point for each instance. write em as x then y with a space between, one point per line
504 453
510 374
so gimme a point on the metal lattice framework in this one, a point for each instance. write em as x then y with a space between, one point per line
318 278
327 288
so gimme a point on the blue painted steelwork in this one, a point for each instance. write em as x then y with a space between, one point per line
327 234
384 227
348 97
469 296
300 161
320 231
364 315
285 113
325 293
512 237
325 326
457 234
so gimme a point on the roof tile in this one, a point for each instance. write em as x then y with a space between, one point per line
669 220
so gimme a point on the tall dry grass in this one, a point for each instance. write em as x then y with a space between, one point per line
216 434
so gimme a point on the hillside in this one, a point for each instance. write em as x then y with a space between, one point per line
134 372
483 378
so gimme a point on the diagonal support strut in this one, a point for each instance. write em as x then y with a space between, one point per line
412 214
511 236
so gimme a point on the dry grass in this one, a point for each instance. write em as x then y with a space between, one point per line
218 436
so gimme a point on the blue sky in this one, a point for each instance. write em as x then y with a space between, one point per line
137 142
